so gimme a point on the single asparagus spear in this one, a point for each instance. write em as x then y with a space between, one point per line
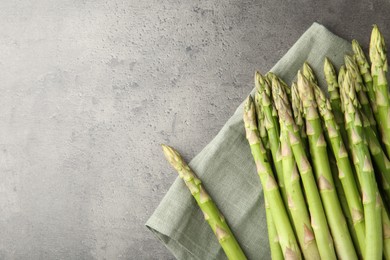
386 232
296 200
272 128
346 175
297 108
261 126
379 69
317 213
340 79
210 211
308 73
276 251
378 156
364 169
361 90
364 69
337 223
343 201
334 97
287 239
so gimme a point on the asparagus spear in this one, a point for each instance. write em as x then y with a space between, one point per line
364 69
272 128
211 213
285 232
261 125
318 151
334 97
343 201
297 108
378 156
364 169
296 200
346 176
379 69
276 251
386 232
308 73
318 218
361 90
340 79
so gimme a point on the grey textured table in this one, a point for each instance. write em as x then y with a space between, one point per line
89 89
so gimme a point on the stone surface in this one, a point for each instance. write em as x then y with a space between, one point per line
89 89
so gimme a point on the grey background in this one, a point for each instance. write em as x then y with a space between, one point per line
89 89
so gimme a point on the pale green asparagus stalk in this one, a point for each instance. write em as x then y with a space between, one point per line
271 125
296 200
337 223
379 69
386 232
365 171
276 251
361 90
378 156
364 68
210 211
343 201
334 97
261 125
287 240
297 108
317 213
340 79
346 175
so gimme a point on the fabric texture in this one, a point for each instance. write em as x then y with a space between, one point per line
228 172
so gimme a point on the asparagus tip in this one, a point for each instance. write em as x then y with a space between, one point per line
172 156
308 72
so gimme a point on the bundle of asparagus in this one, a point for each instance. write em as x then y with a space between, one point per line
330 157
323 162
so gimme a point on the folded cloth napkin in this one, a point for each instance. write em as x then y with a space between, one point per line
228 172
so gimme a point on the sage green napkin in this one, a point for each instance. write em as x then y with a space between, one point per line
228 172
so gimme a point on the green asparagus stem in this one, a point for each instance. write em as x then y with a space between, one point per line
337 223
297 108
386 232
272 128
261 126
364 170
318 218
334 97
296 200
343 201
361 90
287 239
340 79
210 211
276 251
379 69
346 175
378 156
364 69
